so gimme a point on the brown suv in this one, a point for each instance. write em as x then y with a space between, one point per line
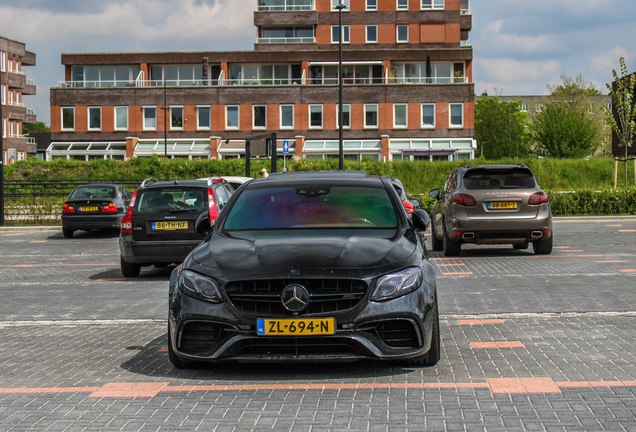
491 204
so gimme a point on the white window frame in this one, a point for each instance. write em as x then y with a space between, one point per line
395 125
143 115
4 94
254 127
345 107
377 108
3 61
450 115
346 30
177 128
281 116
397 32
4 128
115 109
398 8
238 117
88 118
371 8
335 3
366 34
422 124
433 5
62 118
209 108
322 116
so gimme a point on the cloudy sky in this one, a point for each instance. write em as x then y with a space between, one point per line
520 46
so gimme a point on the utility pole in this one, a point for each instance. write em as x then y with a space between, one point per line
165 119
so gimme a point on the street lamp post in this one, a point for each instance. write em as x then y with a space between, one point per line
165 119
340 7
482 148
1 163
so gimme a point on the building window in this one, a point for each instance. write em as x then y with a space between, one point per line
335 3
372 5
286 116
371 116
203 118
4 94
400 116
176 118
432 4
315 116
121 118
94 118
3 61
68 118
232 117
428 115
372 34
150 118
402 33
103 76
524 107
402 4
335 34
4 128
457 115
346 116
260 117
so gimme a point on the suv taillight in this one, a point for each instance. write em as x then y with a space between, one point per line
126 221
538 198
68 209
110 208
463 199
214 210
408 205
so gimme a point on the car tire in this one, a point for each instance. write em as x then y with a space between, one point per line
523 245
129 270
449 247
543 247
434 353
436 244
67 232
174 359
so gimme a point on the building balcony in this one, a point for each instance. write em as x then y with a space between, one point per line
286 5
464 8
286 40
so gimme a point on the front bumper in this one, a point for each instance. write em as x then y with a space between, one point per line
396 329
88 222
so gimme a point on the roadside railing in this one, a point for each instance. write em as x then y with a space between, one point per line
32 189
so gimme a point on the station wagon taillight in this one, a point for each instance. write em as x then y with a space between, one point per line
110 208
408 205
214 209
538 198
463 199
126 221
68 209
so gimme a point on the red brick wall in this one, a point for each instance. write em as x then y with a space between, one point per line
189 118
273 117
81 119
453 33
245 117
452 5
441 115
135 118
108 118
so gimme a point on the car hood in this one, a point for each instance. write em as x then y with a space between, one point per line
276 253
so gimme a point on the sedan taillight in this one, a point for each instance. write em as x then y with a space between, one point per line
126 221
214 210
463 199
110 208
538 198
408 205
68 209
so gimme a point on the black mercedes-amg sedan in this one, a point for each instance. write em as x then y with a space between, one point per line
310 266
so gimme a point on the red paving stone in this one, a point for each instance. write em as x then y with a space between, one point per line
614 225
629 271
627 231
121 390
110 279
504 344
38 241
457 273
449 265
616 261
164 349
479 321
58 265
523 385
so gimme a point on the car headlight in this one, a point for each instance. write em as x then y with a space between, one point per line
200 287
397 284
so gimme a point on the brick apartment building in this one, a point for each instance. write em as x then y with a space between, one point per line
15 84
407 77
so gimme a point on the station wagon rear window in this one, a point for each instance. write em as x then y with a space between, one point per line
173 200
515 178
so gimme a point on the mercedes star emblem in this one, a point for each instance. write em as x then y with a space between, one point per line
295 298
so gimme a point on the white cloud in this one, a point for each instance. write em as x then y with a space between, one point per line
508 70
609 60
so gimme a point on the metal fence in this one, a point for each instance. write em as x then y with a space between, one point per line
16 189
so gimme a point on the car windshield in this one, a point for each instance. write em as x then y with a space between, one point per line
498 178
93 192
312 206
172 200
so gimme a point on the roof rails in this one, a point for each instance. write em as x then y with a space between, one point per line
522 165
148 181
464 166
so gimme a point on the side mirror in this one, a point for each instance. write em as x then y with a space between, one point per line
434 193
203 225
421 220
416 203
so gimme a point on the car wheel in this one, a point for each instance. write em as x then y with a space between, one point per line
523 245
174 359
449 247
433 355
436 244
129 270
67 232
543 247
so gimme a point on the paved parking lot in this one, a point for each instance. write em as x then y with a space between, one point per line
537 343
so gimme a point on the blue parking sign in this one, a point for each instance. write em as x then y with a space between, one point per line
285 146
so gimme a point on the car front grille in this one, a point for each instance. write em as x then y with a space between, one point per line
199 336
398 334
325 295
311 346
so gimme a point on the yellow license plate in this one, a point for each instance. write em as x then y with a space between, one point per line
502 205
89 208
296 327
170 225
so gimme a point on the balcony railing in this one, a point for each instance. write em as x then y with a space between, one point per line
30 111
284 40
426 80
289 5
30 81
465 43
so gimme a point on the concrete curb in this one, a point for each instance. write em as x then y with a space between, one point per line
31 228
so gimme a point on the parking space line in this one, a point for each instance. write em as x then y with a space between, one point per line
504 344
561 247
616 261
119 390
57 259
450 265
627 231
457 273
479 321
629 271
111 279
38 241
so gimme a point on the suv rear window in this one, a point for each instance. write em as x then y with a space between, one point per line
172 200
515 178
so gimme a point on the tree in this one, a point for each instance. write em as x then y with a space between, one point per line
623 100
501 129
35 127
564 132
